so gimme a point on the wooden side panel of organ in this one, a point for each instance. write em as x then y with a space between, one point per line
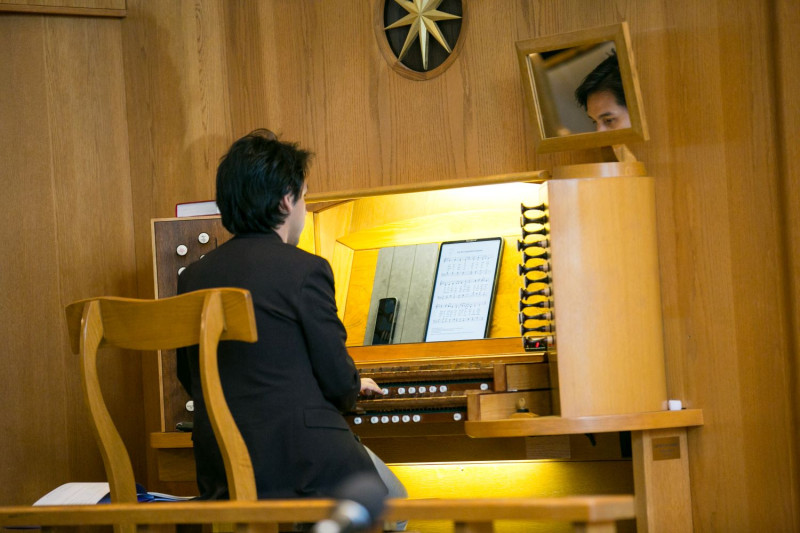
591 297
608 356
177 243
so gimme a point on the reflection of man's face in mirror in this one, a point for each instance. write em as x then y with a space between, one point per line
606 112
603 98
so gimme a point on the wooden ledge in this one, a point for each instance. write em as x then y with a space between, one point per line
533 176
171 439
526 427
63 10
556 425
567 509
499 349
600 170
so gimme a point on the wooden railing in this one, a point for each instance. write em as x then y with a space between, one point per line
586 513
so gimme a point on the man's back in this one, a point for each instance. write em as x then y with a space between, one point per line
286 390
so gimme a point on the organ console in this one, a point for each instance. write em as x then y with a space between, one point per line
432 398
426 383
574 347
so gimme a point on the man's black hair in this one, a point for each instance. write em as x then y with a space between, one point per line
604 77
253 177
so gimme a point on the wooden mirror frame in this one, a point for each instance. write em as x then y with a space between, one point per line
540 104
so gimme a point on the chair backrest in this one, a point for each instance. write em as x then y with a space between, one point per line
202 317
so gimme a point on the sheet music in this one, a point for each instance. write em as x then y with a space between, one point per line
464 290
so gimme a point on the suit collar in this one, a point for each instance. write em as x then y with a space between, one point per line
271 236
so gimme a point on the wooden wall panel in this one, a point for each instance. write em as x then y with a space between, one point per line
177 106
754 205
88 4
697 273
725 332
94 230
786 73
34 346
63 140
179 127
368 125
90 8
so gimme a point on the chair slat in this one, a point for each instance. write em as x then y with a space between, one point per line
166 323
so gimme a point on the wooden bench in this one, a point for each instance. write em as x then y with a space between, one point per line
594 514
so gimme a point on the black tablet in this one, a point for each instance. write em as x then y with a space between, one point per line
463 290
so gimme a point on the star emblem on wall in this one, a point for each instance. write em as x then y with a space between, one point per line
423 18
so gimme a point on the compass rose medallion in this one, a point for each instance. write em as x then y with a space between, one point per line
419 38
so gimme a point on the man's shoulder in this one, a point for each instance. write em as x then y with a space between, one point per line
243 258
307 259
267 244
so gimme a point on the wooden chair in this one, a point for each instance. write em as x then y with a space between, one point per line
202 317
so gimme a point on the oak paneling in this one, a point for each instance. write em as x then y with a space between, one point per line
754 207
93 226
179 127
177 104
63 143
717 211
786 73
91 8
34 346
86 4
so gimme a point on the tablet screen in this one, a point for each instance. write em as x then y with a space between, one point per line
463 290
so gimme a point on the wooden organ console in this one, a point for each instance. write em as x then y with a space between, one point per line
573 364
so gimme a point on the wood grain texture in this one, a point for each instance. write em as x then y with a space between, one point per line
716 195
88 4
94 211
36 356
557 425
570 509
64 147
178 117
786 72
606 294
663 488
90 8
178 126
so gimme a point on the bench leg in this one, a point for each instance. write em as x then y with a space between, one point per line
661 481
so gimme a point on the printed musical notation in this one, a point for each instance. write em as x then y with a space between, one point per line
464 289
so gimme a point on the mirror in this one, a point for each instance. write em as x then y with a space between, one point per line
553 67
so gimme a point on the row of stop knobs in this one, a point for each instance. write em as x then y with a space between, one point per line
536 317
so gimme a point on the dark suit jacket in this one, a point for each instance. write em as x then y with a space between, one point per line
285 391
